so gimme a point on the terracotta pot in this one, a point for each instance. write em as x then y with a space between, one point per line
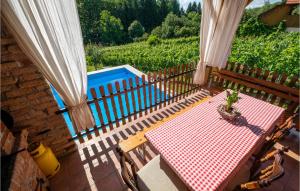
226 115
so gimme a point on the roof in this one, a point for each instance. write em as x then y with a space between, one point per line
291 2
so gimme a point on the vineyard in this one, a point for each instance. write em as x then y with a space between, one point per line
275 52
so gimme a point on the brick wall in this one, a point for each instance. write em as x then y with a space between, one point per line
20 171
26 95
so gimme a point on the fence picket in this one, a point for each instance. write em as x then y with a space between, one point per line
190 79
155 90
243 71
132 98
150 92
113 104
173 84
256 74
104 99
165 87
137 82
282 81
126 99
96 102
117 84
144 93
177 69
185 70
160 89
273 79
265 77
169 85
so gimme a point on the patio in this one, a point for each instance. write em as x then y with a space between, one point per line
41 52
96 165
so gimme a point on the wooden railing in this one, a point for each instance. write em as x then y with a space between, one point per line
278 89
117 104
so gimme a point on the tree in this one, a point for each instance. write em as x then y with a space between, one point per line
170 25
148 14
163 9
111 28
174 7
174 26
89 19
182 12
199 9
135 29
193 7
189 8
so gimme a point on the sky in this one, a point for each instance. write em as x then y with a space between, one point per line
254 3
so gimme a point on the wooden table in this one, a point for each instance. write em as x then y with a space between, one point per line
206 151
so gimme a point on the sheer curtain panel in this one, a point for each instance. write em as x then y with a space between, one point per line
49 33
219 21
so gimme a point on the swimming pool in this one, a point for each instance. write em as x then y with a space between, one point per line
102 78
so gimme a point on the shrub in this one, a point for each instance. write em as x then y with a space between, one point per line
111 28
157 31
135 29
153 40
93 57
142 38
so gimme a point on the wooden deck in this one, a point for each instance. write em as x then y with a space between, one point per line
95 165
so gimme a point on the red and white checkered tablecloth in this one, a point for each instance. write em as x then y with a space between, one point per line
205 150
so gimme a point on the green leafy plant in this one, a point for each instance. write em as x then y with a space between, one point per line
153 40
136 29
275 52
231 98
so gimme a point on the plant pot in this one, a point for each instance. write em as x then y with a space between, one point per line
230 116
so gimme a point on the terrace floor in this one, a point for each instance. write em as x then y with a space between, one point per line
95 165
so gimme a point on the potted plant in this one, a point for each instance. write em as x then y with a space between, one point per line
228 111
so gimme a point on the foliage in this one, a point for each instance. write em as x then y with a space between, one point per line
93 57
150 14
278 51
168 53
296 10
142 38
174 26
157 31
89 19
194 7
111 28
254 27
135 29
275 52
231 98
153 40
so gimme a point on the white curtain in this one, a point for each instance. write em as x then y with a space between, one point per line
49 33
219 21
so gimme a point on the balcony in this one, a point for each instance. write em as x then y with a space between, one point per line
96 163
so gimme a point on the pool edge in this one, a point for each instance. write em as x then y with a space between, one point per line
126 66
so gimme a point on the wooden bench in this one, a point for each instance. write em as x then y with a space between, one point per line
139 139
275 88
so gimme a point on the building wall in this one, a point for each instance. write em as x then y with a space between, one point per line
26 95
19 171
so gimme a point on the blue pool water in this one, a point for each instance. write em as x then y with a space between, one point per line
102 79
